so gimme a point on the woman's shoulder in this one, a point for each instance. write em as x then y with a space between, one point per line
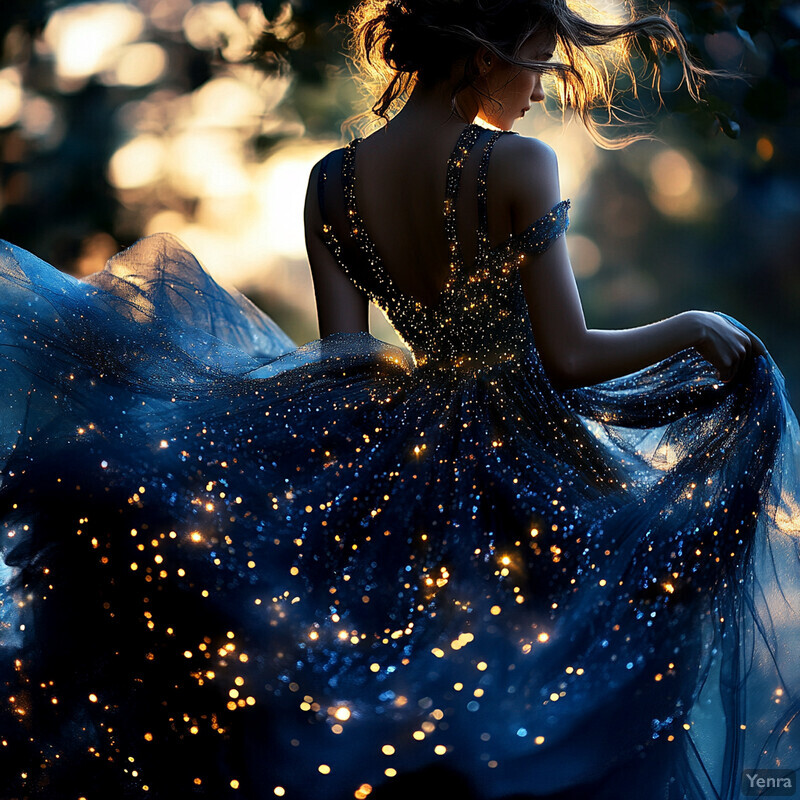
328 166
331 157
524 167
518 156
523 178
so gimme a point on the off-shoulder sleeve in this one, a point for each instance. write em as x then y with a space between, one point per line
539 235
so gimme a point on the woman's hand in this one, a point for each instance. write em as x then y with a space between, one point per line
726 347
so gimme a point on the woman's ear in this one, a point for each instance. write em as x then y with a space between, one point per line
483 60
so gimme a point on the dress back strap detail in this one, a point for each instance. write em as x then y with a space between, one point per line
539 235
483 199
356 229
384 284
469 137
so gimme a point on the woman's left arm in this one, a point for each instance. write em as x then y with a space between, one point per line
341 307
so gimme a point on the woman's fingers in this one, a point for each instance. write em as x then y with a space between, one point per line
743 354
729 346
754 344
758 345
734 357
726 369
745 349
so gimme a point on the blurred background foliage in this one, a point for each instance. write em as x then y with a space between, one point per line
121 119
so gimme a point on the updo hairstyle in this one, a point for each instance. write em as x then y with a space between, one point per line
396 44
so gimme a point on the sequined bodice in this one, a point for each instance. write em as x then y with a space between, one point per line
480 316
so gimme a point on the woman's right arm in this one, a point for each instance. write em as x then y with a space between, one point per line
571 354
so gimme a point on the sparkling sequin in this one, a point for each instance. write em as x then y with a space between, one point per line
234 567
441 334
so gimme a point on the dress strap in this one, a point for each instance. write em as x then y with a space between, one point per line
354 228
336 221
354 222
483 194
483 200
455 168
539 235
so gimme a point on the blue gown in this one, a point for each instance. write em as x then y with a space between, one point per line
235 567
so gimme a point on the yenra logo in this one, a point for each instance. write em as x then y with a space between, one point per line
769 782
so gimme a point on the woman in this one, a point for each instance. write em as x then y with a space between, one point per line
537 560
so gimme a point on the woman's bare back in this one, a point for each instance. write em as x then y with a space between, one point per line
400 178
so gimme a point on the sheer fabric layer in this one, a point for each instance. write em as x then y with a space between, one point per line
232 559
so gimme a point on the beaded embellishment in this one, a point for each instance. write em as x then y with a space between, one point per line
474 322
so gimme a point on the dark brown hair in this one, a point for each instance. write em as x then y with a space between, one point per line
398 43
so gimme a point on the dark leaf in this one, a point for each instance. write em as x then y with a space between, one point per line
729 127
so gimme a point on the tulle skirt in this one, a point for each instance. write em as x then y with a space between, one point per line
237 567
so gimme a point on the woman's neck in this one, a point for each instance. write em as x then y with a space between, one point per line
432 106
